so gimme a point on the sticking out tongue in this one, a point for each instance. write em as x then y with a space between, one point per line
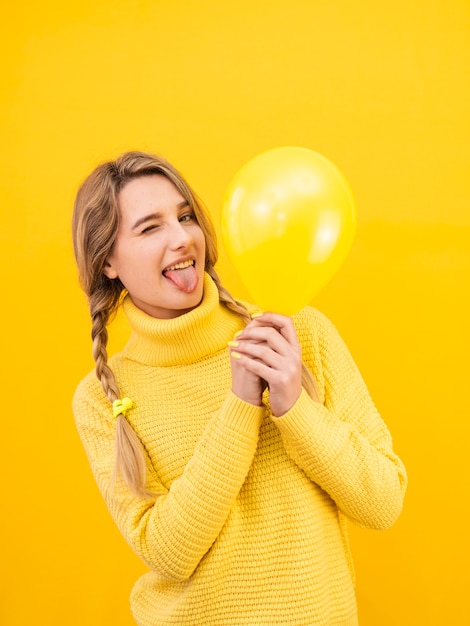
185 279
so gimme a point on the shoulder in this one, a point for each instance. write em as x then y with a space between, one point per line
89 395
88 398
309 313
88 384
312 322
319 336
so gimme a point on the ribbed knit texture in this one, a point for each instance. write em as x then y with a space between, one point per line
251 526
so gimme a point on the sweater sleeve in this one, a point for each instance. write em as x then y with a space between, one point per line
343 445
173 531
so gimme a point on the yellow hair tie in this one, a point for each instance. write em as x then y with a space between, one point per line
121 406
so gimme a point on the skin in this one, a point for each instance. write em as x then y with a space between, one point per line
157 230
267 351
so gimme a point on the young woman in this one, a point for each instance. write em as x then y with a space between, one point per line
230 445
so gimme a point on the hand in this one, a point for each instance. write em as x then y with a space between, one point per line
245 384
268 350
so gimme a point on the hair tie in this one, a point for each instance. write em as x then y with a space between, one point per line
122 406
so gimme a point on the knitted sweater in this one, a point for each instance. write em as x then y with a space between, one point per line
250 526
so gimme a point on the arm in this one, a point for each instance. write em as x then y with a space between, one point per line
344 445
172 532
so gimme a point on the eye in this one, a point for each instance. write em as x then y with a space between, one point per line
187 217
149 228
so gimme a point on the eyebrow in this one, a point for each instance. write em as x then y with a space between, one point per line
155 216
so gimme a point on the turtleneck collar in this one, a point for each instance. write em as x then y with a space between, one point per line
184 339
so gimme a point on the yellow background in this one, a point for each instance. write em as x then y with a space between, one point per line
382 90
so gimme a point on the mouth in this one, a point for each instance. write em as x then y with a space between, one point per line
183 275
179 266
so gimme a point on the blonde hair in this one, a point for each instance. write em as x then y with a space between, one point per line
94 228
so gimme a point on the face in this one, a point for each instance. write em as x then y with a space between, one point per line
159 251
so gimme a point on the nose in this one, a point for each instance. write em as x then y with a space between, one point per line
180 236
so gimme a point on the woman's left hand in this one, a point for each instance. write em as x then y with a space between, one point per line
269 348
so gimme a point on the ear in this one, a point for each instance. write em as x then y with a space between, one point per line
109 271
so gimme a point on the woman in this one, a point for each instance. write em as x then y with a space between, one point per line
230 445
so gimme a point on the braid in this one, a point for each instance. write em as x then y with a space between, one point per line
99 335
226 298
129 451
310 384
308 380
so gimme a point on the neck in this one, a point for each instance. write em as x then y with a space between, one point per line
184 339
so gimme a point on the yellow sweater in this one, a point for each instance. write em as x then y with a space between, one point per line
251 526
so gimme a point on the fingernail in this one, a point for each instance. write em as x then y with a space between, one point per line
233 344
237 334
235 355
255 315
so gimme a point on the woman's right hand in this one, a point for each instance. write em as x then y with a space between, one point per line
246 385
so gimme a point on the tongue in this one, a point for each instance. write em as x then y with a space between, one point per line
185 279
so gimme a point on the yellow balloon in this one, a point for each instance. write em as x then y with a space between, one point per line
288 223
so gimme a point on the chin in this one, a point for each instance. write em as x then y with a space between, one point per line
191 301
197 298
